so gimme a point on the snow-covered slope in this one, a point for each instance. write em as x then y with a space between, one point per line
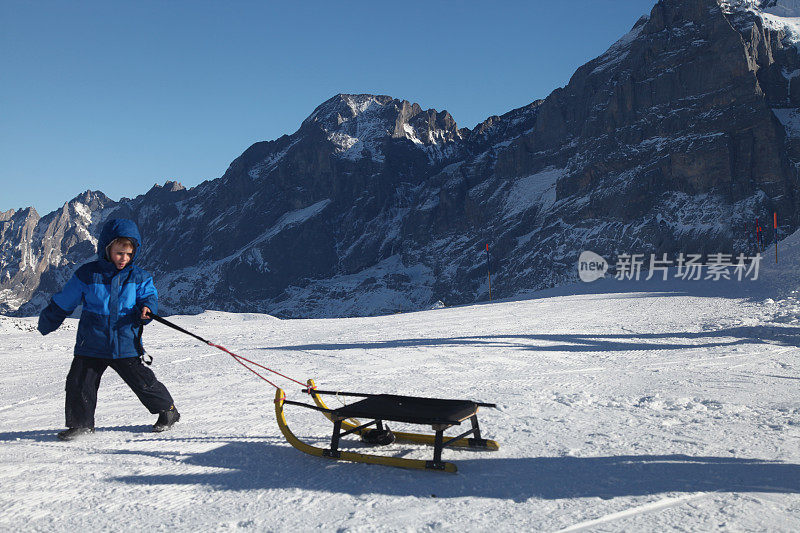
629 406
777 14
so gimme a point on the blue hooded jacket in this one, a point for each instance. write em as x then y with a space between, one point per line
112 300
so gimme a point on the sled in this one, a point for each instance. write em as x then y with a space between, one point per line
440 414
419 438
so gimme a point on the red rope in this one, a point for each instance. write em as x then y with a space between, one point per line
236 358
239 360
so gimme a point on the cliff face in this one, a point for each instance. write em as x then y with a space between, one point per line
38 254
672 116
675 139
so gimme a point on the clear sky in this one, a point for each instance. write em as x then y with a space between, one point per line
117 96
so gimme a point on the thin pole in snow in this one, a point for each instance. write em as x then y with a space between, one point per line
775 225
489 271
758 236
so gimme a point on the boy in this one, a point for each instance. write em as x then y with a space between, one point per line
117 297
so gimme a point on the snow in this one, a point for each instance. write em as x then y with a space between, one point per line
791 25
203 277
410 133
342 141
535 190
363 130
83 211
360 103
265 167
10 297
389 286
790 118
784 8
357 126
618 51
297 216
637 406
781 15
790 75
699 214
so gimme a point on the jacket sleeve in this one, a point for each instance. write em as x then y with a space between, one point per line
147 296
61 305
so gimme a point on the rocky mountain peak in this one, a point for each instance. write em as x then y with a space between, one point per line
91 199
25 213
359 124
173 186
425 127
167 190
342 108
169 186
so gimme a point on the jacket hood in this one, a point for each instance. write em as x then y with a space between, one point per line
118 227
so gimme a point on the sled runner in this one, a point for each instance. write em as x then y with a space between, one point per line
440 414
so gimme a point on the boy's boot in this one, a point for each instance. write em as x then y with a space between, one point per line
166 419
74 433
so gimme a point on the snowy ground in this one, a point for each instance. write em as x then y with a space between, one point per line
637 406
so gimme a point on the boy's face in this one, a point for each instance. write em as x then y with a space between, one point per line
121 254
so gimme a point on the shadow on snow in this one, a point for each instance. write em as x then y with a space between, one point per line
588 342
49 435
270 464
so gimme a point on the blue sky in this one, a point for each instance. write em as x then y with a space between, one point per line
117 96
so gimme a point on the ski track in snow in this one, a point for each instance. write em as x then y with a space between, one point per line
648 507
654 410
17 404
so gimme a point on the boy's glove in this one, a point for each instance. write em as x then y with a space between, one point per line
51 318
143 316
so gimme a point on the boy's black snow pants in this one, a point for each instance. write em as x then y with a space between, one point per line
83 381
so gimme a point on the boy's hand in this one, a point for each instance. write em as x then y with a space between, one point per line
145 312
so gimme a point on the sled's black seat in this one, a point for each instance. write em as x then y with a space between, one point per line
439 413
411 409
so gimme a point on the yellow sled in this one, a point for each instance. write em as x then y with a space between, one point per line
440 414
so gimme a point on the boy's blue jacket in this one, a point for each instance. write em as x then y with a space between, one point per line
112 300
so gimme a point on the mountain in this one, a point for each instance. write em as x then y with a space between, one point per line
673 140
39 254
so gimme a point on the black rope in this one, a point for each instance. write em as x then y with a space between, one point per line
176 327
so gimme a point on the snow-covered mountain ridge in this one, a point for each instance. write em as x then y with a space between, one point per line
674 140
781 16
779 8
